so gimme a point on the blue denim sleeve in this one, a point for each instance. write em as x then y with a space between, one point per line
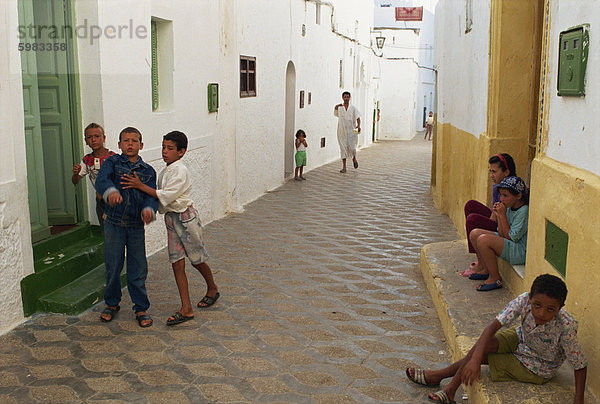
104 182
150 201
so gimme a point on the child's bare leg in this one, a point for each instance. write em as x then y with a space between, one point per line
207 274
343 166
489 248
455 370
296 172
182 286
478 267
301 171
474 236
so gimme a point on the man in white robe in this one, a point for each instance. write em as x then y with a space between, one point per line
347 130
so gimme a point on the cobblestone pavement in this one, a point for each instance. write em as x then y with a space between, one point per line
322 301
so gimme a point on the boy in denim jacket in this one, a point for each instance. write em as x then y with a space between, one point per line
184 230
126 212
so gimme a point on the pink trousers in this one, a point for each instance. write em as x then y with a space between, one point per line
478 217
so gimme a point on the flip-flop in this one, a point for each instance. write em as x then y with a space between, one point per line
442 397
479 277
178 318
486 287
419 377
208 301
143 317
111 312
355 164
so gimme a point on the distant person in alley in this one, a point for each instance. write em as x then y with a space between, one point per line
429 125
347 130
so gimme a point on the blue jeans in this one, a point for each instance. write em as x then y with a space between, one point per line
116 238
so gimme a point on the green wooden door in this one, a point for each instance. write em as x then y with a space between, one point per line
55 116
33 133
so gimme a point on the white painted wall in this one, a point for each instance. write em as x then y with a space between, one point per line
397 102
461 60
573 122
16 259
407 69
260 120
119 76
234 155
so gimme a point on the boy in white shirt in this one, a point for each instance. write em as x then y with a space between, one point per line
183 224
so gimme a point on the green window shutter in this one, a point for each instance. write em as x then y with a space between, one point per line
154 67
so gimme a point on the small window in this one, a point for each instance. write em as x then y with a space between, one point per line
247 76
565 45
309 98
302 99
341 73
161 37
318 13
575 43
154 39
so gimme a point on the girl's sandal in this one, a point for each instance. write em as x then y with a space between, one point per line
486 287
440 397
418 377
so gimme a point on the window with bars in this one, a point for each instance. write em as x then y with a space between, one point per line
247 76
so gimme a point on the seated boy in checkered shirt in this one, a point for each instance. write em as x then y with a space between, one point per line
531 352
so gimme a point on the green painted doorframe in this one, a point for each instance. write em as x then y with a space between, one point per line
75 105
52 108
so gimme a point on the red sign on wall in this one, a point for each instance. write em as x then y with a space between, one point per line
409 13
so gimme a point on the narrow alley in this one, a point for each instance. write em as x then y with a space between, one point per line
322 301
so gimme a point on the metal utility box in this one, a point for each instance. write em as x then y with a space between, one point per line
213 97
572 60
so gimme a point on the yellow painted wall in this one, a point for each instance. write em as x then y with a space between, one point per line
461 168
569 198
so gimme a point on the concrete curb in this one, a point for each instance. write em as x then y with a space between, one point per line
458 344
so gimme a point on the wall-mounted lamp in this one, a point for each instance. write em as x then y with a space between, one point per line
379 40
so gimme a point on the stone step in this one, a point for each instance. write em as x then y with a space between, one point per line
46 248
59 261
464 313
78 295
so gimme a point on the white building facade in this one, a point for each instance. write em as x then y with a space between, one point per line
407 67
297 58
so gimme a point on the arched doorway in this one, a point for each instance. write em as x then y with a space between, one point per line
290 118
